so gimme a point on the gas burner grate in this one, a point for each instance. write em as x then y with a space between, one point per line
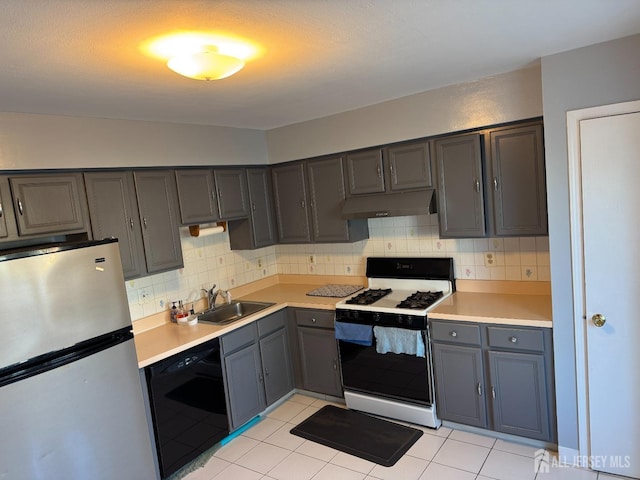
420 300
369 296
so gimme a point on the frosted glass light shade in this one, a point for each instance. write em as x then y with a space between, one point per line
205 65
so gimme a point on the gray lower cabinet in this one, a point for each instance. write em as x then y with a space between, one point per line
197 196
259 229
114 213
158 206
496 377
319 369
46 204
8 228
492 183
459 384
257 367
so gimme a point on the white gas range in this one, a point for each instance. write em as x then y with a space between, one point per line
382 333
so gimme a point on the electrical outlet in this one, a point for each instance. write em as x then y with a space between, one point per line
490 259
312 259
143 296
259 263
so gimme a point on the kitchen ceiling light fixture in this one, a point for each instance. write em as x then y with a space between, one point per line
209 64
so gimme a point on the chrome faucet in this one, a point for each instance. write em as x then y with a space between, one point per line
212 294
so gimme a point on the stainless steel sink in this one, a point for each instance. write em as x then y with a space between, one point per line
225 314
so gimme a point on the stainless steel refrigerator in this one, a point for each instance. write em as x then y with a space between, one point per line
71 400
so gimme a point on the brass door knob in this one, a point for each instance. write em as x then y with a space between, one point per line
598 320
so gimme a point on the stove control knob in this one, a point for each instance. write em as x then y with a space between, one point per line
376 317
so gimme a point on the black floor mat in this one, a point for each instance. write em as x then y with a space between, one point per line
358 434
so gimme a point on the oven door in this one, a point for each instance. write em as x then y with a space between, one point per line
397 376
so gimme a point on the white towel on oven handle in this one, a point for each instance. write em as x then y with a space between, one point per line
399 340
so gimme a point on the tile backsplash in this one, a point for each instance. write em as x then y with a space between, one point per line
210 260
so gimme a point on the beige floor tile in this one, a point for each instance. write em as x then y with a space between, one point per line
517 448
334 472
264 428
263 458
236 472
296 467
436 471
315 450
236 448
352 462
474 438
464 456
426 447
213 467
286 411
508 466
299 398
283 439
407 468
304 414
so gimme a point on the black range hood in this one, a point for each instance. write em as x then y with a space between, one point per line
419 202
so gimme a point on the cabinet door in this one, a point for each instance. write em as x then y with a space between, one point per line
365 172
460 186
518 181
158 203
245 386
114 213
233 200
409 166
197 196
319 361
49 203
290 201
261 204
326 190
519 395
276 365
460 394
5 203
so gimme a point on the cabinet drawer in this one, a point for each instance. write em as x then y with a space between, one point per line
516 338
238 338
315 318
271 323
468 334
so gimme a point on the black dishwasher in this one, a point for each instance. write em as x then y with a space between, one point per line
188 405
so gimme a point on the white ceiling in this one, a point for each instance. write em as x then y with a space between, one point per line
83 57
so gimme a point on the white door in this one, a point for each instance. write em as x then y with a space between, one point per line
610 155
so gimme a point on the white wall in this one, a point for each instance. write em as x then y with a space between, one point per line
595 75
493 100
30 142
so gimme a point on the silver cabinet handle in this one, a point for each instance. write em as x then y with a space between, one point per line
477 186
213 195
493 392
479 390
303 204
131 223
20 207
379 171
391 168
495 184
454 334
335 364
266 372
0 209
253 207
513 339
313 320
144 221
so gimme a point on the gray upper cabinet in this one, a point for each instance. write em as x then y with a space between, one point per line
365 172
197 196
290 202
158 205
492 183
517 179
460 186
49 203
113 208
327 193
409 166
233 199
259 230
